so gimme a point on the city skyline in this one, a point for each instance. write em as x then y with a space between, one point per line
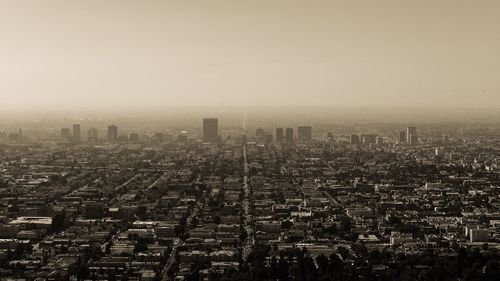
249 140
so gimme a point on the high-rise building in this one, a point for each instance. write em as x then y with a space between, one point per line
112 133
354 139
92 135
411 135
279 135
211 130
76 133
259 135
304 133
402 137
66 134
289 135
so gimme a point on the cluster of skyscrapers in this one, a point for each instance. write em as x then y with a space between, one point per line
282 135
408 137
92 134
211 135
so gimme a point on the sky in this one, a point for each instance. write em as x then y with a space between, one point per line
144 54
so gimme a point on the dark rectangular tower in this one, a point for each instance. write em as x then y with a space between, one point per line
211 130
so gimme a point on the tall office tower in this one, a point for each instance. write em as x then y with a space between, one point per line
65 133
211 130
112 133
402 137
289 135
411 135
354 139
259 135
243 140
92 135
279 135
76 133
304 133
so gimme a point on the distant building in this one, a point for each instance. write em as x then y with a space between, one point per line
259 134
304 133
76 133
402 137
92 136
112 133
289 135
211 130
66 134
479 235
411 135
354 139
279 135
369 138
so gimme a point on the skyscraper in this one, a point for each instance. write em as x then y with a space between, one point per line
289 135
411 135
211 130
402 137
279 135
304 133
259 135
76 133
112 133
66 134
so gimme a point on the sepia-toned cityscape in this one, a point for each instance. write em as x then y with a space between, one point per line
249 140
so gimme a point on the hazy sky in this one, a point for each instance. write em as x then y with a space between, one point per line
100 53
